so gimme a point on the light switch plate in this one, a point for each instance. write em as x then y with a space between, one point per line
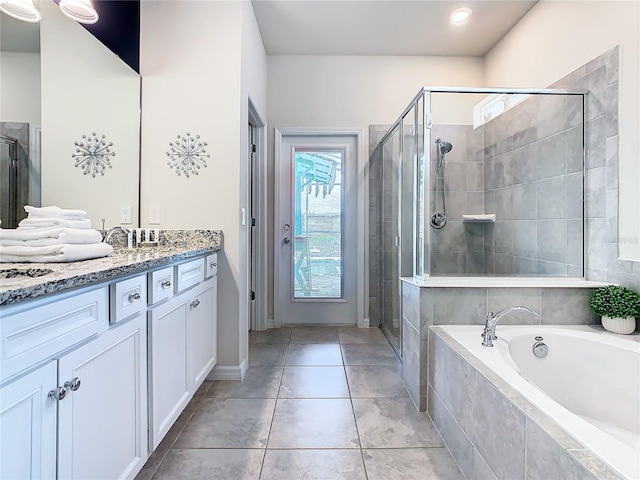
125 214
154 215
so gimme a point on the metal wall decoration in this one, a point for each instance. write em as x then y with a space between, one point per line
93 154
187 155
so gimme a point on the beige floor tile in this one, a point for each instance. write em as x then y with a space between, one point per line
267 354
314 335
210 464
369 381
393 423
369 354
314 354
313 465
314 382
258 382
313 423
411 464
228 423
360 335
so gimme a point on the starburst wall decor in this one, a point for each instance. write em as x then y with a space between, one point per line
187 155
93 154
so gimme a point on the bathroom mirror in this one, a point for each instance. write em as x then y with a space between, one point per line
66 87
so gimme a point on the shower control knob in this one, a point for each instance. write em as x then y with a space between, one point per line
540 349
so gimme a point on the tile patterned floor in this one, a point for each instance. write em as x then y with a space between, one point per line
317 403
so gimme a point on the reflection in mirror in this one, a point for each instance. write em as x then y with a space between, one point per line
71 85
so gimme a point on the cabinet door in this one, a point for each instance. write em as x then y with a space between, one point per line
168 365
102 425
201 333
28 426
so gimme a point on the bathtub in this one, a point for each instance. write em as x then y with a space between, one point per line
589 382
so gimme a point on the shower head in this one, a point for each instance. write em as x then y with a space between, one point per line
443 147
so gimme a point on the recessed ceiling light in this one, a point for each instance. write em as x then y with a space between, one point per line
460 15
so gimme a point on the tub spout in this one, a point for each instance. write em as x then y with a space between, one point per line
489 333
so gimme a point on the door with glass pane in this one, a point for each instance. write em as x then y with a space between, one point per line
315 224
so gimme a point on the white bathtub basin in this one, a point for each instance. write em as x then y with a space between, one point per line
589 382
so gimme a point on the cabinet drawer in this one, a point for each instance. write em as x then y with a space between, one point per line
128 298
160 285
211 263
189 274
34 334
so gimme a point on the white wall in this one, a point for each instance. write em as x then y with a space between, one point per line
555 38
20 94
199 62
254 90
86 88
353 92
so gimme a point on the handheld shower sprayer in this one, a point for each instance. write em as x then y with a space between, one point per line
443 148
439 219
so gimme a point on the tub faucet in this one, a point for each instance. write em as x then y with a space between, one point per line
489 333
109 233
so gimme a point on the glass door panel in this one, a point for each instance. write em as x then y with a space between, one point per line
318 224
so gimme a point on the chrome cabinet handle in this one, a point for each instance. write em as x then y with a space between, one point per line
286 240
195 303
58 393
165 283
73 385
134 297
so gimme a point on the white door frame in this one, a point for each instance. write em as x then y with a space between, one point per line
260 322
362 237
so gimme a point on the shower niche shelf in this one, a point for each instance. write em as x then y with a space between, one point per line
484 218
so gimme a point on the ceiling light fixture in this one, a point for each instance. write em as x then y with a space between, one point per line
23 10
460 15
79 10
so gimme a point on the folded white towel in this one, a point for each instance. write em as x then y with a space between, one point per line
67 236
62 235
54 212
54 253
42 222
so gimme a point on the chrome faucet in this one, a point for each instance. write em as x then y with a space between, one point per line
109 233
489 333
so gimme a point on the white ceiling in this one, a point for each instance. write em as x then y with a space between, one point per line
384 27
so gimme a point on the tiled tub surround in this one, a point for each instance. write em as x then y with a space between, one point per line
492 429
468 300
174 245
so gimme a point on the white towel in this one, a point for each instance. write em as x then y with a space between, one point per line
54 253
55 212
42 222
62 235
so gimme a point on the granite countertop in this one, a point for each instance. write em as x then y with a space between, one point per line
17 284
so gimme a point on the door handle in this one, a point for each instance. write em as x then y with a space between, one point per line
286 240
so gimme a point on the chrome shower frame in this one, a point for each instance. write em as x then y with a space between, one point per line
421 198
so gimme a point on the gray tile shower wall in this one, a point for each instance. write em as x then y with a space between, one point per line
376 132
601 76
458 248
533 167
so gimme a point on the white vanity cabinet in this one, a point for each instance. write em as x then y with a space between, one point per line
28 419
102 424
92 379
88 402
182 350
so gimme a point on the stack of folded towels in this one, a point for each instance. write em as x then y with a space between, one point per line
52 234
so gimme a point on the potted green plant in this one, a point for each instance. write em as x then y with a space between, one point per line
618 306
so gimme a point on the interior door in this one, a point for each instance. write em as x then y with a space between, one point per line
316 221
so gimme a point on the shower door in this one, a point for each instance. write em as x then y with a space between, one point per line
8 180
390 297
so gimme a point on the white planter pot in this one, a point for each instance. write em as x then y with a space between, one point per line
624 326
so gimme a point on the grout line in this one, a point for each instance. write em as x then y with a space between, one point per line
273 416
353 411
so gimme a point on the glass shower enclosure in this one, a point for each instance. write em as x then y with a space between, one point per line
477 182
